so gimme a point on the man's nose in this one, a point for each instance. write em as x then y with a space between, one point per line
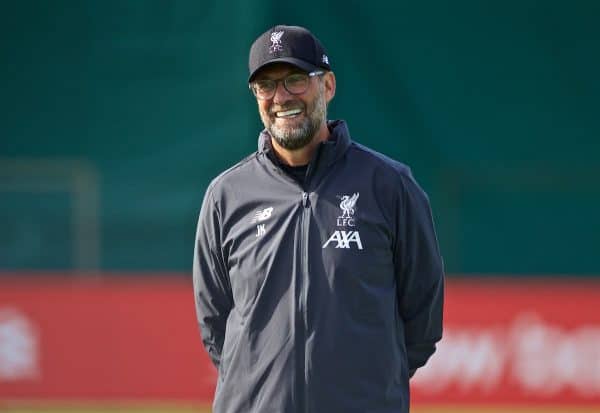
281 93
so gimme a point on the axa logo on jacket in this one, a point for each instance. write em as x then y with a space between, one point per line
345 238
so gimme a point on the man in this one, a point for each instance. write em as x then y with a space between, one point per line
317 277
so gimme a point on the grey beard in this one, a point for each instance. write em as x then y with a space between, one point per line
295 138
299 137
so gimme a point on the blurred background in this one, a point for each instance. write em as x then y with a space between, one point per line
117 114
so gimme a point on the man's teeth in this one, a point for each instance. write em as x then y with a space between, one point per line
286 113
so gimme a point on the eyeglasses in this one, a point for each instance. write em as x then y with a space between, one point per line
296 84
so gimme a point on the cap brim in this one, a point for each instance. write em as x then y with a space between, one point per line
308 67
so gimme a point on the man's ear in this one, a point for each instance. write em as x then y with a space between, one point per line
329 82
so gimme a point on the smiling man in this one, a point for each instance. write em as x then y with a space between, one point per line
295 114
317 275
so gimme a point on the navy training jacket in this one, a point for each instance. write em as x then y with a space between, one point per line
320 298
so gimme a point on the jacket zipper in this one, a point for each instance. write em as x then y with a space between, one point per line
301 400
304 271
303 291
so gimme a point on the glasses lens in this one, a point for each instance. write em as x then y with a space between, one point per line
296 83
264 88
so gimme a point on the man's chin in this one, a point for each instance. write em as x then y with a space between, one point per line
293 144
288 132
290 141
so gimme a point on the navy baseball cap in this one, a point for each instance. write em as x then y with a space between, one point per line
289 44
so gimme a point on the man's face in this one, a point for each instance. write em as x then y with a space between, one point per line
292 120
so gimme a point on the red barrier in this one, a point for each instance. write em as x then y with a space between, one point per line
115 338
514 341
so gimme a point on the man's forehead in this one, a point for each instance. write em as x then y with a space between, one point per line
275 70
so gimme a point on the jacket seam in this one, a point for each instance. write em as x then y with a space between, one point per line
229 171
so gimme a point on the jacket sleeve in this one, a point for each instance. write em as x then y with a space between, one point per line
420 274
212 291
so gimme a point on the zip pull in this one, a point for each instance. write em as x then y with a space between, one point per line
305 200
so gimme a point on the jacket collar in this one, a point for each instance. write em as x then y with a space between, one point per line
328 152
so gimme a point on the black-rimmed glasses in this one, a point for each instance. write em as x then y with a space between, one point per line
296 84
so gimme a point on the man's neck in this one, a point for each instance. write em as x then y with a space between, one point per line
302 156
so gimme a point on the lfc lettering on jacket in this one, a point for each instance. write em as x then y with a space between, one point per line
345 222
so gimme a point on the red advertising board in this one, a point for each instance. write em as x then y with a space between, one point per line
109 338
514 341
506 341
